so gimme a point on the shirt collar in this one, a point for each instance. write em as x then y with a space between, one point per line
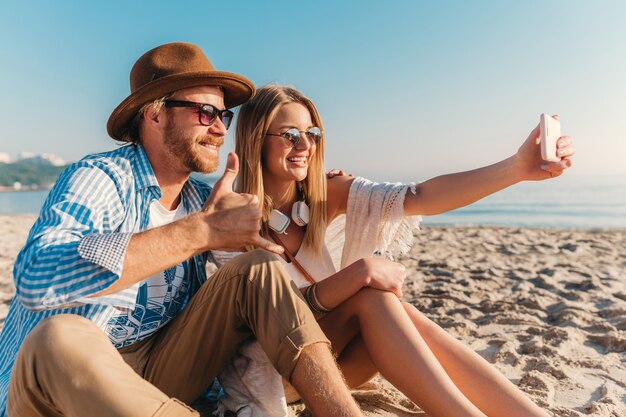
144 175
193 197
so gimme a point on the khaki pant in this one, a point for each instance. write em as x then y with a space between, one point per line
68 367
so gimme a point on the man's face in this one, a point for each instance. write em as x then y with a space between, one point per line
196 146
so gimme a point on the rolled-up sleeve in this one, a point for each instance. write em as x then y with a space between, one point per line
106 250
75 249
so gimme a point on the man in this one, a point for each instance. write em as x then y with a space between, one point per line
113 314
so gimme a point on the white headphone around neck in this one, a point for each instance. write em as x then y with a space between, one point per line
279 221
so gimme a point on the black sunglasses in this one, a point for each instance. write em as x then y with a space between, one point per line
292 136
206 112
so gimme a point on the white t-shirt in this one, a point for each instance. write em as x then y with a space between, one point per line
161 296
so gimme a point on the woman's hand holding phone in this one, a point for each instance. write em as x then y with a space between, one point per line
530 156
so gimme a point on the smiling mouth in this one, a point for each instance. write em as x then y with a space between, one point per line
210 146
210 141
298 159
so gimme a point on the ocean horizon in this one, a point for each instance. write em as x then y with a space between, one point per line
577 202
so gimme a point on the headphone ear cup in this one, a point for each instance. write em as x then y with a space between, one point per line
300 213
278 221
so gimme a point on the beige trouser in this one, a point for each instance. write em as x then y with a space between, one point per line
68 367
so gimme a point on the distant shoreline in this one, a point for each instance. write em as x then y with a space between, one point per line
10 189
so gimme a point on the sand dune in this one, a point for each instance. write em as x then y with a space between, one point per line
547 307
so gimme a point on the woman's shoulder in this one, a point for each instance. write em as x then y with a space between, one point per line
339 183
338 190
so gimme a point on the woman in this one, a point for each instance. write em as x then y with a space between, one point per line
280 142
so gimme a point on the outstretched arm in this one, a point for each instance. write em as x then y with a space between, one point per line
449 192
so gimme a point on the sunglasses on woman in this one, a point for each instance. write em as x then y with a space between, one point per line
292 136
207 113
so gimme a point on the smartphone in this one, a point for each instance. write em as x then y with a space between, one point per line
550 133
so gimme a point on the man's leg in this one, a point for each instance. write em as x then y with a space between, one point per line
321 385
68 367
250 296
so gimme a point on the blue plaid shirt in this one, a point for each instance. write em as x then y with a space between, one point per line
76 249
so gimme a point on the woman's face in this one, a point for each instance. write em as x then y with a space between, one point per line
281 160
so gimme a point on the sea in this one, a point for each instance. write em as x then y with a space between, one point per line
579 202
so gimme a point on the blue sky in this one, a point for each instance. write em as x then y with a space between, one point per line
407 89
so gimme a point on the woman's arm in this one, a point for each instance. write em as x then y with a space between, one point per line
338 190
448 192
377 273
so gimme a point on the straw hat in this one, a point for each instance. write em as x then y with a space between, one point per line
172 67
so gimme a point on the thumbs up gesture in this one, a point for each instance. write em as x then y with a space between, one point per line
234 219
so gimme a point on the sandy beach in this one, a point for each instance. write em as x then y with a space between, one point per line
547 307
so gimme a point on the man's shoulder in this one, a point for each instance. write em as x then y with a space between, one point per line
121 157
116 165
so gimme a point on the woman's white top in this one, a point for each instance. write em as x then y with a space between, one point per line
318 266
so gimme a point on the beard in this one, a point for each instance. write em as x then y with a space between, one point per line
185 148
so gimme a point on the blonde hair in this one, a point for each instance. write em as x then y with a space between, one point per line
253 120
132 133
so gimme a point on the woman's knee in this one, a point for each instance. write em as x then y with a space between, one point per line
366 297
422 323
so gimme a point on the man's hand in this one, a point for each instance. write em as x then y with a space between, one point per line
233 219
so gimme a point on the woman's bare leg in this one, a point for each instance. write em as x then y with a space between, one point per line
473 375
481 383
397 350
341 327
356 364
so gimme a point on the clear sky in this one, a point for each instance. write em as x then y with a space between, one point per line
407 89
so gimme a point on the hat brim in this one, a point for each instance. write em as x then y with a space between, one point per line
237 90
